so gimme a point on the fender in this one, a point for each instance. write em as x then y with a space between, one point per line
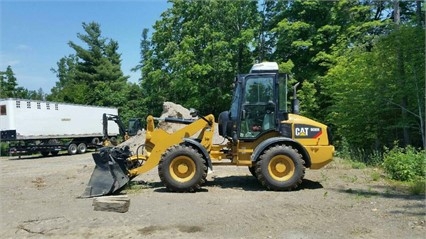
281 140
194 143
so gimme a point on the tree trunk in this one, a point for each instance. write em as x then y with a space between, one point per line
402 77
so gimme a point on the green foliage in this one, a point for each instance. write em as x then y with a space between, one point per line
405 164
93 74
4 147
375 176
10 89
192 53
8 83
360 73
417 187
367 100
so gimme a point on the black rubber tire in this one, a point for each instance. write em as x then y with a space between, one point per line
95 141
252 170
44 153
81 148
182 169
72 149
280 168
54 153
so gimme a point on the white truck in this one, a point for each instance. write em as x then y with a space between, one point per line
32 126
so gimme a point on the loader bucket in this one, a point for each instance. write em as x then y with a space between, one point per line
107 177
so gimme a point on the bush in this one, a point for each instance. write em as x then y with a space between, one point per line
405 164
370 157
4 149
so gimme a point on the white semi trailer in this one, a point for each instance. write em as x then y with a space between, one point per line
32 126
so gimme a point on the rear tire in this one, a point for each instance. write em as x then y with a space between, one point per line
182 169
72 149
280 168
81 148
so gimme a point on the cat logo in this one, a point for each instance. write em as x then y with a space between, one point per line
302 132
307 131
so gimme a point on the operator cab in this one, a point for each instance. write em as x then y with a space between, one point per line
258 105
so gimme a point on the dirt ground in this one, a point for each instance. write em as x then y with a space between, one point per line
39 199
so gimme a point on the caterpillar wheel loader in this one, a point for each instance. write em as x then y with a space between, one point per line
275 145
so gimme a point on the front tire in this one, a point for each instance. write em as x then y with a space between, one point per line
280 168
182 169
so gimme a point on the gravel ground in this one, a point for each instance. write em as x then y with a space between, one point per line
39 199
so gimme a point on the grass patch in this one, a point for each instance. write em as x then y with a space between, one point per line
357 165
416 187
349 179
135 187
349 163
375 176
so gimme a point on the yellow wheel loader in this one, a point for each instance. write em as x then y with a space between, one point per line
275 145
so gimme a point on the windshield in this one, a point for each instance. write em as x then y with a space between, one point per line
258 90
258 106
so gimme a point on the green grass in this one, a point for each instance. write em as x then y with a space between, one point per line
375 176
135 187
416 187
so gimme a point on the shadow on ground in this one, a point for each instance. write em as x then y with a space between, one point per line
245 183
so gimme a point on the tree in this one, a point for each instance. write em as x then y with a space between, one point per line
8 83
93 74
10 88
366 90
67 89
192 52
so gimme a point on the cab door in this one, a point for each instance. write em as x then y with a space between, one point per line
259 106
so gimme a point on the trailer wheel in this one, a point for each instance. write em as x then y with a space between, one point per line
72 149
54 153
44 153
95 141
182 169
81 148
280 168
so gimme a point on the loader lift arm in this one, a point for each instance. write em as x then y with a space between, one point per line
109 117
126 133
158 141
115 167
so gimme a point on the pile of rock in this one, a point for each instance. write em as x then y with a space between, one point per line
170 109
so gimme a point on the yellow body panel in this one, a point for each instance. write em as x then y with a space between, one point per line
320 155
318 148
157 141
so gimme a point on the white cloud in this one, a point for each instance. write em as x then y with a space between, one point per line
23 47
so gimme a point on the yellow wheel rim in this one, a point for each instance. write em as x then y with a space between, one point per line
182 169
281 168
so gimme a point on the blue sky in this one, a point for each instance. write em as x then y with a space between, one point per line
34 35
